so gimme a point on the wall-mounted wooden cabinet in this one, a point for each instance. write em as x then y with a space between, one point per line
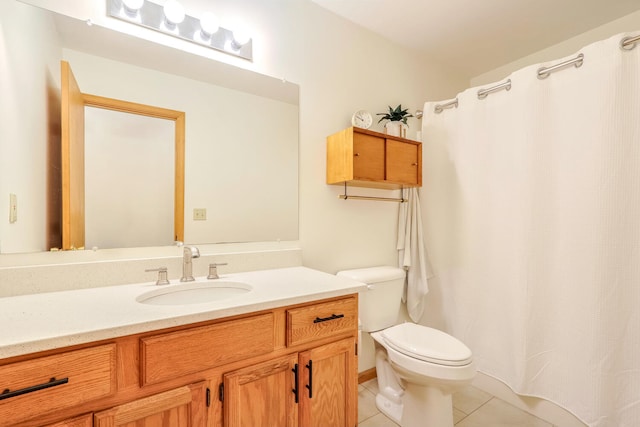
365 158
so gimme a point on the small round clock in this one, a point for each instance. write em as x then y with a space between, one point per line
362 119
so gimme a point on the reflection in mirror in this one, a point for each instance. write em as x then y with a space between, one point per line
128 198
241 136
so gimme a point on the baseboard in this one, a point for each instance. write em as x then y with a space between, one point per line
367 375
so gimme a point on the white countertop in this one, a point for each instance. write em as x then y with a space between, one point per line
38 322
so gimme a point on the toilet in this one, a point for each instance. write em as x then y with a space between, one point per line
418 367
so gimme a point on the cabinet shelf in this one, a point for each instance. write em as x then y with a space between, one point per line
364 158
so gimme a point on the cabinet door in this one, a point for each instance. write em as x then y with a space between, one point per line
329 385
262 395
182 407
368 157
403 160
81 421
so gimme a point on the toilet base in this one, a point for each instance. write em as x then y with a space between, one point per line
389 408
414 393
426 407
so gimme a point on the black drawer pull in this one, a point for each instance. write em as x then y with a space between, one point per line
6 394
310 385
324 319
295 381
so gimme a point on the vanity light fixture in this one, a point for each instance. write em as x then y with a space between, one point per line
172 20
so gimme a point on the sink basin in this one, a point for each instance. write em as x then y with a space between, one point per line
194 293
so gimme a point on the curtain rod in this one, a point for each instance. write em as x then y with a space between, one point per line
629 43
626 43
544 72
483 93
441 107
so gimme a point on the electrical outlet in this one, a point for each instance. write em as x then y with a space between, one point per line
199 214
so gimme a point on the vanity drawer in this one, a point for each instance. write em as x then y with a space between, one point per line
322 320
56 382
174 354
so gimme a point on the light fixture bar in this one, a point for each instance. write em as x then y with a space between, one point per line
151 15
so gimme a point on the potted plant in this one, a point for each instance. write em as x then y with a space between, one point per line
397 120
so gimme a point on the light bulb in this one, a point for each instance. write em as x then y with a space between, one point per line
131 7
173 12
240 38
133 4
209 24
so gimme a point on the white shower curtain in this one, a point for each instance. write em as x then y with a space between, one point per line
531 210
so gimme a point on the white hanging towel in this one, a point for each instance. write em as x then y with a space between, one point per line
412 255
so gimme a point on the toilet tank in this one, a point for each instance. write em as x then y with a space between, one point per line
379 305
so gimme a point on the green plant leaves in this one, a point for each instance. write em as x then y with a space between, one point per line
395 115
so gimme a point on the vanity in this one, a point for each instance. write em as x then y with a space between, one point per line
281 353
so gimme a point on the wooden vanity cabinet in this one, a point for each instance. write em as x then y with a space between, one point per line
262 395
57 382
317 386
289 366
81 421
184 406
328 383
329 389
365 158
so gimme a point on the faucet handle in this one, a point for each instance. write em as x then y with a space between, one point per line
213 270
162 275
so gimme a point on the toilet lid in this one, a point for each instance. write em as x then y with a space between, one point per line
428 344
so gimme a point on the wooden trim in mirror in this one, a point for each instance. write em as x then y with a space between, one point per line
162 113
72 160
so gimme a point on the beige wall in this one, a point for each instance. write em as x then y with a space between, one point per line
25 104
568 47
340 68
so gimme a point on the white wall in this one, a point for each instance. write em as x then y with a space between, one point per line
129 199
568 47
25 103
345 69
340 68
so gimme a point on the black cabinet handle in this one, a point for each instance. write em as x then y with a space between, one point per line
295 381
6 394
324 319
310 385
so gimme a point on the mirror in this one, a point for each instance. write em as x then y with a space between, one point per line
241 128
150 174
149 143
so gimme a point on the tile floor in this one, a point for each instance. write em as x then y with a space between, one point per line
472 407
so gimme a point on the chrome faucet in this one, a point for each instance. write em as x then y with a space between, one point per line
188 254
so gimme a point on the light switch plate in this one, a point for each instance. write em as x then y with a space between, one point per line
13 208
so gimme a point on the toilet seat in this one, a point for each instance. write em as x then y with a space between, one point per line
427 344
